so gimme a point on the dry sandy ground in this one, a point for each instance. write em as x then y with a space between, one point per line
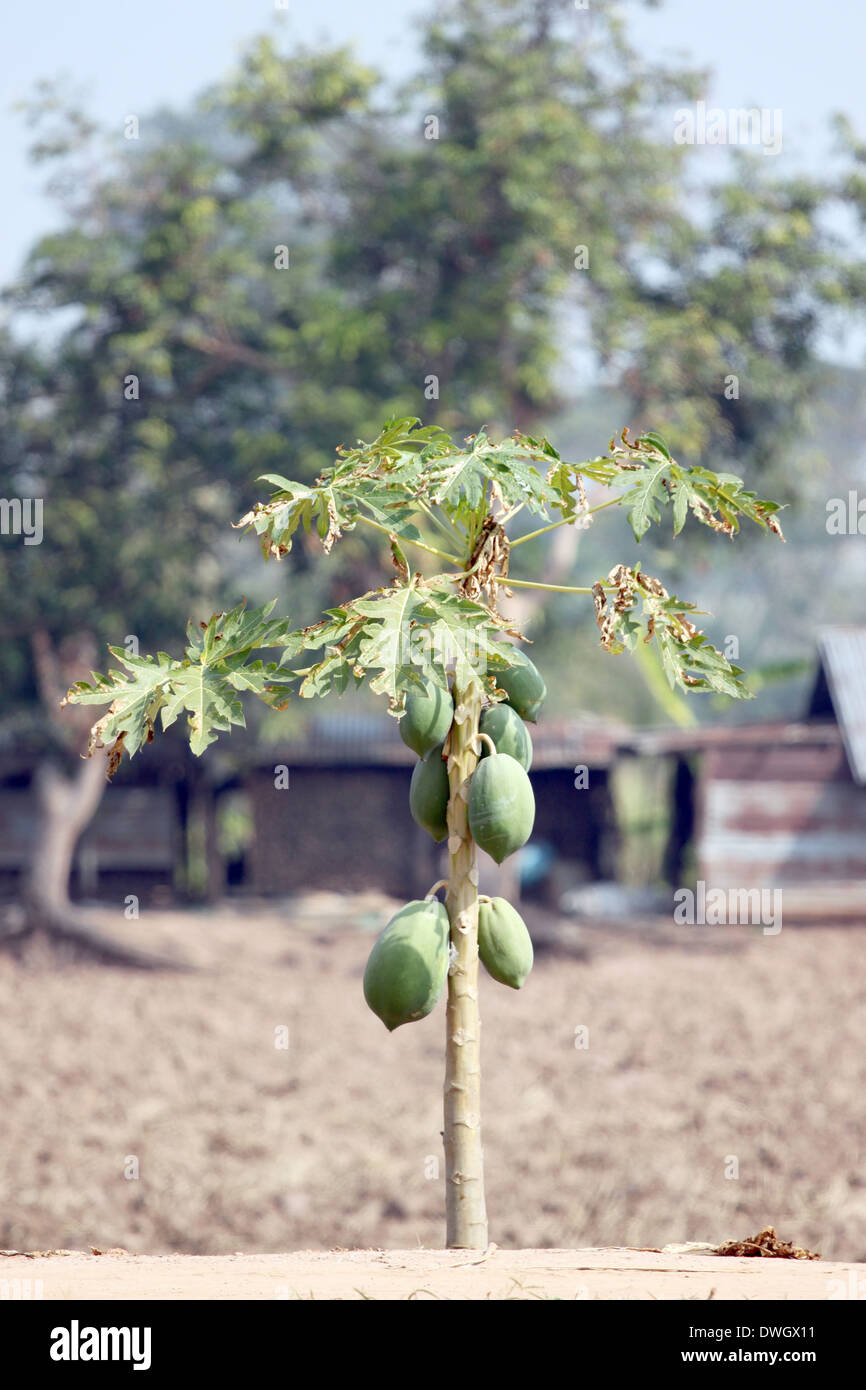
432 1274
722 1090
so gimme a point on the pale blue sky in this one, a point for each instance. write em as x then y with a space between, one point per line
802 58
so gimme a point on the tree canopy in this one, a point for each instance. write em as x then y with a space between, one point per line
305 252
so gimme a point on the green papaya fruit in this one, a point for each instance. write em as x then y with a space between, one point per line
501 806
426 720
408 964
524 685
504 944
428 794
509 733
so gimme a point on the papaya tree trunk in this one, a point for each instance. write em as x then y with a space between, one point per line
466 1214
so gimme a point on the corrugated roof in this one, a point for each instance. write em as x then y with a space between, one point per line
843 656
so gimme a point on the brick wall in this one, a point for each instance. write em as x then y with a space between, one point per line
350 827
338 828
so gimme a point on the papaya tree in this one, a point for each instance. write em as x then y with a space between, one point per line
435 643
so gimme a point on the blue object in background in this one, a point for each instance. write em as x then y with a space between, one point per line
535 862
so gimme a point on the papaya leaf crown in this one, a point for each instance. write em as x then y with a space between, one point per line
414 485
411 471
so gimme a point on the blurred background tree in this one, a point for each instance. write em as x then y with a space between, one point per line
514 224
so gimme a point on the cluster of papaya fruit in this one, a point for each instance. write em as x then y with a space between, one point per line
408 966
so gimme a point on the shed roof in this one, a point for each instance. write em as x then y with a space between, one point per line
372 740
842 652
837 711
702 738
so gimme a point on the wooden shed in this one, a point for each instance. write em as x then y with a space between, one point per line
332 810
783 805
139 839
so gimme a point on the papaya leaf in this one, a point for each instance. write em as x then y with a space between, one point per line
646 494
206 684
654 480
631 606
406 470
405 635
656 442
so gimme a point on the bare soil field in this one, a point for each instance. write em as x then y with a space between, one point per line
721 1090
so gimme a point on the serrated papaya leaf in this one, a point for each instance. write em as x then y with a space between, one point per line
632 604
645 495
134 697
258 676
276 522
332 672
653 480
205 685
211 703
232 635
406 633
465 633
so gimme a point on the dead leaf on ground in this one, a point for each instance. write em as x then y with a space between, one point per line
767 1243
